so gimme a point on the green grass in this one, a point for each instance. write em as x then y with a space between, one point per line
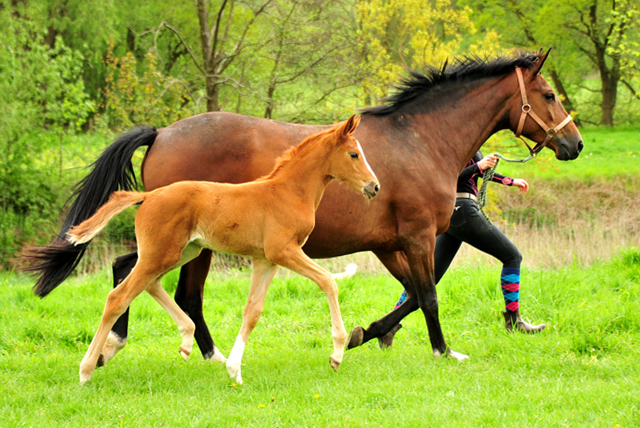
607 152
582 371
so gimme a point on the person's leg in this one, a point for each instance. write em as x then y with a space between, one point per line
478 233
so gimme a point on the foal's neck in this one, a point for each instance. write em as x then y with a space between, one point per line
306 174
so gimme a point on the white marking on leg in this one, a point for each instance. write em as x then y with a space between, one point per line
235 359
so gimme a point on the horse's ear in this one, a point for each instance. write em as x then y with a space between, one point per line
542 57
350 125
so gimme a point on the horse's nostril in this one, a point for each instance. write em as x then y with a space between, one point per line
377 188
580 146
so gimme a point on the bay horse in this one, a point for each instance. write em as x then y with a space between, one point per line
418 141
268 220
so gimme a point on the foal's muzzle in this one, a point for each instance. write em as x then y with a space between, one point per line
371 189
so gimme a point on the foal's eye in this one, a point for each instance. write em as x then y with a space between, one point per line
550 96
354 155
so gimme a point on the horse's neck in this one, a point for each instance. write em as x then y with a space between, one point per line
480 113
306 175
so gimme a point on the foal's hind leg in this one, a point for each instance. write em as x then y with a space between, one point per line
117 338
189 297
117 302
185 325
261 276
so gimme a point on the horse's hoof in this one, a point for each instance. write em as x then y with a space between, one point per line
355 337
216 356
184 353
456 355
386 341
335 364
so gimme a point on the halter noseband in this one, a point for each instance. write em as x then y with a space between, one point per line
526 110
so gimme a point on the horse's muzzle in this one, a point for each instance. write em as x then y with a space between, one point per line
371 189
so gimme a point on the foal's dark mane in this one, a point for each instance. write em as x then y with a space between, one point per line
463 69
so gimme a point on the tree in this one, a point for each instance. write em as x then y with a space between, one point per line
599 29
400 34
307 42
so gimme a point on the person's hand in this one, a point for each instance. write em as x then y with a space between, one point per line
487 162
522 184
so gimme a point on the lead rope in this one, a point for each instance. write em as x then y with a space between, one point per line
488 175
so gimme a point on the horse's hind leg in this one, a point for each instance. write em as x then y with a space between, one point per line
261 276
189 297
185 325
117 338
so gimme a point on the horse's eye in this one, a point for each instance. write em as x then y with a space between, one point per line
354 155
550 96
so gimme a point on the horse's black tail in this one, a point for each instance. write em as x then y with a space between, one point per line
112 171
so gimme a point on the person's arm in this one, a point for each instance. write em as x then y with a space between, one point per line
469 172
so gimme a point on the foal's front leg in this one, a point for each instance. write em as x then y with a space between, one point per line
295 259
261 276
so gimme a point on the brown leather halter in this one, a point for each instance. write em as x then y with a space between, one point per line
526 110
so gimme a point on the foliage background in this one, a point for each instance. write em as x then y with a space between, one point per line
74 74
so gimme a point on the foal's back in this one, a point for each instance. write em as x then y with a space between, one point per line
229 218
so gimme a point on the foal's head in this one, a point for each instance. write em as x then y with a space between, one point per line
347 162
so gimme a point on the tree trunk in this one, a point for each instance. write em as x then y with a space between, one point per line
609 96
213 88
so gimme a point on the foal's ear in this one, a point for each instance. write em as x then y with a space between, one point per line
350 125
542 57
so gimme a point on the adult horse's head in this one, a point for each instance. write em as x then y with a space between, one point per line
347 161
538 114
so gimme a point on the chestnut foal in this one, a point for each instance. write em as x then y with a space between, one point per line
268 219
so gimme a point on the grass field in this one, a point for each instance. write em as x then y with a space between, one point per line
581 371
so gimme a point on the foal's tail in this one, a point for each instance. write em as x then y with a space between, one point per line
88 229
112 171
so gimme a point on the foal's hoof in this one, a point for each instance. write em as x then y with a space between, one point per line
184 353
355 337
335 364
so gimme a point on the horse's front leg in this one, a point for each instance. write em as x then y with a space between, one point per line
419 248
189 297
295 259
397 264
261 276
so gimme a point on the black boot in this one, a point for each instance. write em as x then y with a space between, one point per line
513 319
386 341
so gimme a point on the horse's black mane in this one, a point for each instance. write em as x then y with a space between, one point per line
464 69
